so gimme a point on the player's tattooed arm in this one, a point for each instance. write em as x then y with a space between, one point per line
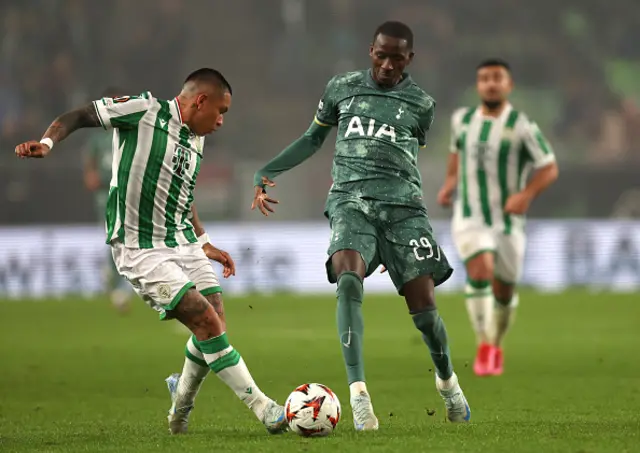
60 129
69 122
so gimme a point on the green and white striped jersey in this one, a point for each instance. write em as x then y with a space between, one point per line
496 155
156 159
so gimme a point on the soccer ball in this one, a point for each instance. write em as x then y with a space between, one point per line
312 410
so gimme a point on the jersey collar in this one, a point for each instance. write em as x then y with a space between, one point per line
177 105
505 112
406 81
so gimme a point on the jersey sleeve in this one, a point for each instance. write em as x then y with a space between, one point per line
456 121
327 113
425 123
122 112
537 145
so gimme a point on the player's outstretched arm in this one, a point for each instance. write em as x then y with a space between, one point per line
292 156
299 151
61 128
213 253
65 124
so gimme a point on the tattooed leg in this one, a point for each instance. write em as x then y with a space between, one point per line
195 312
215 300
205 318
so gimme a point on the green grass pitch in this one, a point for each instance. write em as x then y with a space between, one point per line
76 376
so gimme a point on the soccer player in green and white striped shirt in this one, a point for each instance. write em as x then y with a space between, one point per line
157 240
494 148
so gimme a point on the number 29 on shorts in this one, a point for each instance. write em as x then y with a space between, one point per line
422 249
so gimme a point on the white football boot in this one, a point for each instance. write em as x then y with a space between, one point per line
363 417
456 405
178 416
274 419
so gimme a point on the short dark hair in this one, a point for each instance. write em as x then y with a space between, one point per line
211 76
494 62
395 29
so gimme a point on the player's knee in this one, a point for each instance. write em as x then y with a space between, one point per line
480 268
195 312
477 287
348 261
215 300
422 303
419 294
503 292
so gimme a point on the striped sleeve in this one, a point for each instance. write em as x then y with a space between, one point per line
536 144
456 122
122 112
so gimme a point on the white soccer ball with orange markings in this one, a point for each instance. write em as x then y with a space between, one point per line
312 410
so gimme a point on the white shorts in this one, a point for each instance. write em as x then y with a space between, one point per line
161 276
508 249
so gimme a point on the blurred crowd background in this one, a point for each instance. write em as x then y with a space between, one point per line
576 64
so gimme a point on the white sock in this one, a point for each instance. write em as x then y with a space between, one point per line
355 388
227 363
194 371
449 384
504 315
480 309
239 379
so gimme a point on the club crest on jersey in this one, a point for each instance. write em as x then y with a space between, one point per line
164 291
181 161
121 99
482 152
482 149
370 129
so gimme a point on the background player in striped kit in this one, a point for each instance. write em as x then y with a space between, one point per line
157 240
494 147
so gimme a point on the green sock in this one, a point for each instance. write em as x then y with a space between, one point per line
350 324
231 369
434 335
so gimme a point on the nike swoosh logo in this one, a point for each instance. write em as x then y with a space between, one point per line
350 102
348 343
